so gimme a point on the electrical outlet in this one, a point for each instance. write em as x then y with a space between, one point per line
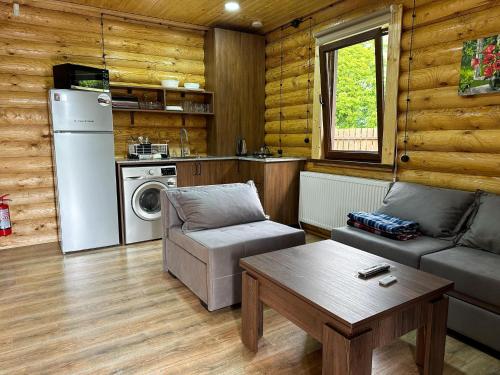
15 9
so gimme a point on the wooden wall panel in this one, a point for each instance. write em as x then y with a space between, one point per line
29 46
453 141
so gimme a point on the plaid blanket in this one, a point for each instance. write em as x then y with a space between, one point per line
399 237
384 223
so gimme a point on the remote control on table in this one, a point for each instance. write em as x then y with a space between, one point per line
373 270
388 280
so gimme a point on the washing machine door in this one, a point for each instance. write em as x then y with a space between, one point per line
146 200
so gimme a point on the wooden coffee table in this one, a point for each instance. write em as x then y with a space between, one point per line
316 287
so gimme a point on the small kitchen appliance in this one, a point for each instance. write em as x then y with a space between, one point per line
241 147
80 77
142 149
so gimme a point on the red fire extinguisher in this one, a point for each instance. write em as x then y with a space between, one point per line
5 225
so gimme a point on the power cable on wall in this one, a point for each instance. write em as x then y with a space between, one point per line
405 158
280 150
308 112
295 23
102 42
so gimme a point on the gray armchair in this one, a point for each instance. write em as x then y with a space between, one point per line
206 261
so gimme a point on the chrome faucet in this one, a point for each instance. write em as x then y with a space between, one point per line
184 143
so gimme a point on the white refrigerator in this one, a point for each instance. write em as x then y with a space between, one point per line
84 164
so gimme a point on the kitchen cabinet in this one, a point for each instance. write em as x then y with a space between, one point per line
277 183
252 170
235 69
227 171
187 173
281 191
278 187
206 172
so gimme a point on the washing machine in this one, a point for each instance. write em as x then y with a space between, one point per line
141 200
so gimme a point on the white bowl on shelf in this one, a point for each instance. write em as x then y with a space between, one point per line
170 83
191 85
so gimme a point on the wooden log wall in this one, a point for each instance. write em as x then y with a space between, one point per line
453 141
30 45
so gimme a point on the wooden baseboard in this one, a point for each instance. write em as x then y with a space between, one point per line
320 232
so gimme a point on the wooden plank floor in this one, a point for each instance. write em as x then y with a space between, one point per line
115 311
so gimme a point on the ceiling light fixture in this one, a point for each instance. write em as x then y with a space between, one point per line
257 24
232 6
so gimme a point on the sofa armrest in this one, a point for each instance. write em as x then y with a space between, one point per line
164 213
169 217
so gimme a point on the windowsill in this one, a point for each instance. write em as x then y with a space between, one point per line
353 164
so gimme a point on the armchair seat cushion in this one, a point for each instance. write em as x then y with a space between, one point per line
223 247
405 252
476 273
220 250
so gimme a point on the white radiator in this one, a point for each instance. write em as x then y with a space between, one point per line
326 199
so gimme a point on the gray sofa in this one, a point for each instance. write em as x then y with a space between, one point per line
207 229
460 241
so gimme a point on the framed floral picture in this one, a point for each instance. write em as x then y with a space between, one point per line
480 68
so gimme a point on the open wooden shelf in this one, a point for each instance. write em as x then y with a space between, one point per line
129 86
163 111
208 98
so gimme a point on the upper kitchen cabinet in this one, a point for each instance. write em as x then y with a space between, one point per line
235 70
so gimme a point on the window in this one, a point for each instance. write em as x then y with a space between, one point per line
352 90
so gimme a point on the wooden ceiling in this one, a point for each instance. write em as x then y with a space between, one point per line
211 13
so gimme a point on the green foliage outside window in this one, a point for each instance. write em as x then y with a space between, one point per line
356 89
356 95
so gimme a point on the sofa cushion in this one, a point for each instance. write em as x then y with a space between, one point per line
439 212
216 206
405 252
223 247
483 230
475 272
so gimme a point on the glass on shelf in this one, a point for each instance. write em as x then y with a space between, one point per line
194 107
150 105
188 106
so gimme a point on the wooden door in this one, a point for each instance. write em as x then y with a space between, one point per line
214 172
235 70
207 173
252 88
253 170
187 173
223 75
227 171
281 191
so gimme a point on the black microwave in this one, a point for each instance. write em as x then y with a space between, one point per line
80 77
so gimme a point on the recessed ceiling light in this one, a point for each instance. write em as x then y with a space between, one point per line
257 24
232 6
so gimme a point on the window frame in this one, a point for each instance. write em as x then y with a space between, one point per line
326 102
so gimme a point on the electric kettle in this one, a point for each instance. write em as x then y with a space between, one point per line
241 147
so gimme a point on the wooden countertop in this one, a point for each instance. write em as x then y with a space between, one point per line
122 161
